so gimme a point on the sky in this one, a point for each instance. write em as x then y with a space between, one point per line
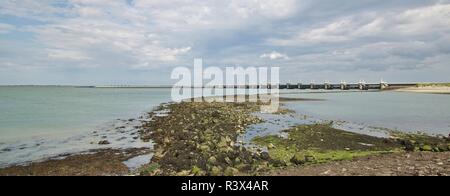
108 42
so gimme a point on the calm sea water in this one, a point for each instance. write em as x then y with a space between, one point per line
35 111
40 122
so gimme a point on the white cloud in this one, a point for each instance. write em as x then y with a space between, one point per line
67 55
274 56
412 22
138 34
6 28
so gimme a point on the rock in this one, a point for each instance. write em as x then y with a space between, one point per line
426 148
302 158
231 171
409 146
298 159
183 173
442 148
204 148
212 160
228 161
104 142
166 140
196 171
216 171
436 149
222 143
122 138
310 158
237 160
265 156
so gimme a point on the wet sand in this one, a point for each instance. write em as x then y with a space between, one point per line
400 164
105 162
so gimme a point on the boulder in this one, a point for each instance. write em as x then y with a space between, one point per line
302 158
426 148
231 171
409 146
216 171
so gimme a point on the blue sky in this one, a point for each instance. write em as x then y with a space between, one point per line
89 42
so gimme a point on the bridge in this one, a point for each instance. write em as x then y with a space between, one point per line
361 85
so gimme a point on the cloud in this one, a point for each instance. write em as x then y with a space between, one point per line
67 55
413 22
369 36
274 56
6 28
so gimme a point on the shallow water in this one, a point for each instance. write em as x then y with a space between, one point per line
136 162
50 111
409 112
41 122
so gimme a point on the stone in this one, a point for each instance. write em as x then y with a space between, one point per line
237 160
265 156
183 173
104 142
216 171
212 160
196 170
228 161
204 148
409 146
231 171
298 159
166 140
426 148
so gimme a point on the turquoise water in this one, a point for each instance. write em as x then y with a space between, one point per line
37 111
41 122
409 112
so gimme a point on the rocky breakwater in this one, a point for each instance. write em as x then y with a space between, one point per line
200 139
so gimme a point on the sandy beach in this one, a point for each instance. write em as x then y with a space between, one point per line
426 89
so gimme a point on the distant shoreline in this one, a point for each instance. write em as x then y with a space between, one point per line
426 89
77 86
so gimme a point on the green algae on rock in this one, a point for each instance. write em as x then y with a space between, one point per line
199 138
320 143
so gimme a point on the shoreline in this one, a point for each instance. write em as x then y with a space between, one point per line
425 89
101 162
203 139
